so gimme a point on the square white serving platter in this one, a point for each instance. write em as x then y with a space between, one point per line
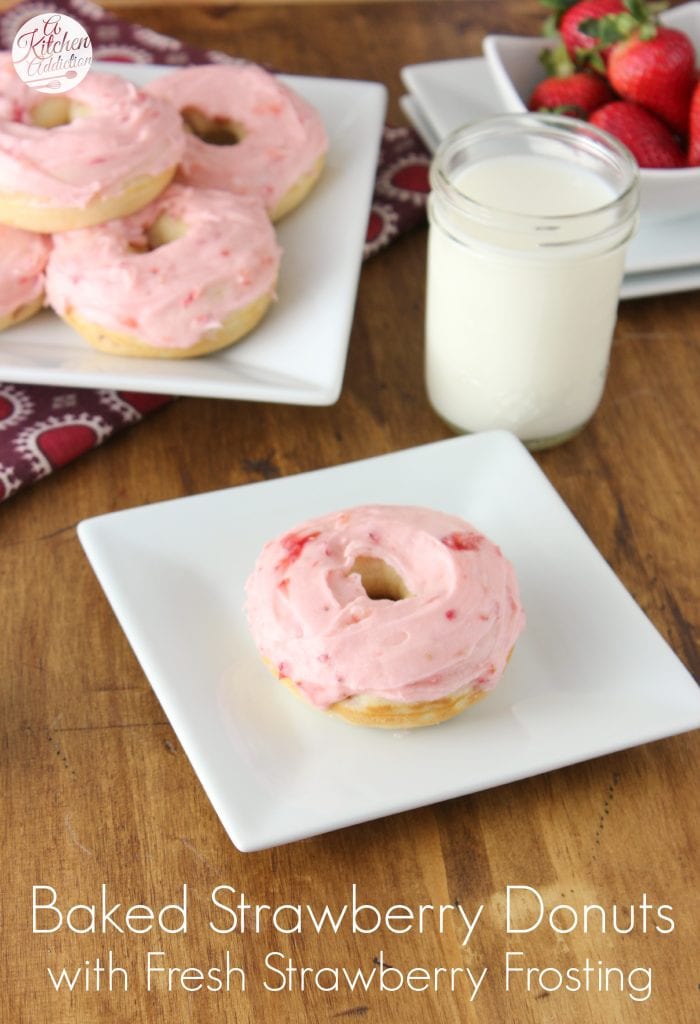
590 674
297 353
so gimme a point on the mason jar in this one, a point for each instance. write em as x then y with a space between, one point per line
529 218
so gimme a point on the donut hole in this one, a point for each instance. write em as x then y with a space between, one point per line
163 230
215 131
55 111
380 581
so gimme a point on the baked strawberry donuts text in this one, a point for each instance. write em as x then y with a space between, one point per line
249 133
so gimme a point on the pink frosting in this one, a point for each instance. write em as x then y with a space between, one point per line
284 136
312 619
23 257
124 134
171 295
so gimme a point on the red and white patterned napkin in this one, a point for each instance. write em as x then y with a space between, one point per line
44 428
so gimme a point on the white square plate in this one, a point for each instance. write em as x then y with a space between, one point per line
590 674
663 257
297 354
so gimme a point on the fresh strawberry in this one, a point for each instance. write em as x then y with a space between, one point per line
694 129
578 94
580 44
652 143
659 73
648 63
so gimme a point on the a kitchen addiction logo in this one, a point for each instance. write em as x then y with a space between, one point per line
52 53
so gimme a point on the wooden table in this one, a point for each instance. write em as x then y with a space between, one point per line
97 790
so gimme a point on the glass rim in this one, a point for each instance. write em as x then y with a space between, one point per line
556 126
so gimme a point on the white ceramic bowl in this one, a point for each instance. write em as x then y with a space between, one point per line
516 70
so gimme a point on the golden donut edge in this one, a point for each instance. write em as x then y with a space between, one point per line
117 343
24 312
295 195
18 210
379 713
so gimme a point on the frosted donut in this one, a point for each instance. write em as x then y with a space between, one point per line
102 150
191 273
23 257
248 133
386 615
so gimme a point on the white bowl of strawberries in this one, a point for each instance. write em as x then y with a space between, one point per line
634 74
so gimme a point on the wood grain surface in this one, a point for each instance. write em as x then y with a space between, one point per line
97 790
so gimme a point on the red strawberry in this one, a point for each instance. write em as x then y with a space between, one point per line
658 72
578 43
694 129
578 94
649 139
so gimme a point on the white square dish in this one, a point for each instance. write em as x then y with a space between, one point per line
297 353
590 674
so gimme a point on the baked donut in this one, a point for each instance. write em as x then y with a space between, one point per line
100 151
390 616
23 257
248 133
191 273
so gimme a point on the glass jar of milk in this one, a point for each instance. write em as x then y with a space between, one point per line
529 218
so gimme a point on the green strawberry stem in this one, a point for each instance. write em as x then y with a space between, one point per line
640 18
557 9
557 62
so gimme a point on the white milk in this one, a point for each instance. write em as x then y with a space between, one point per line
518 334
